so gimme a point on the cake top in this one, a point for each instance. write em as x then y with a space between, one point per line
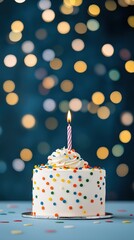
66 158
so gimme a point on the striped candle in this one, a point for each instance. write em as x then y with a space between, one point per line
69 131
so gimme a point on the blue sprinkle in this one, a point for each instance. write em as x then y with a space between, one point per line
79 176
80 168
64 201
53 155
50 166
36 170
75 193
41 203
101 199
95 195
70 177
77 200
51 176
54 203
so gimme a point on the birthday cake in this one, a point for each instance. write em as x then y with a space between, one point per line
68 187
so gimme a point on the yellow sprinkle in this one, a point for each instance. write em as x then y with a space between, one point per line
66 156
62 180
16 232
68 181
84 212
50 199
34 182
27 224
126 221
38 188
57 175
54 179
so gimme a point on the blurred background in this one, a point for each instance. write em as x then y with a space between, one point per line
60 55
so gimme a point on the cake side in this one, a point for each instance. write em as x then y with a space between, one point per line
66 192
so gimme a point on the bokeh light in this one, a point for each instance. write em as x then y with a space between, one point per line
102 153
129 66
130 21
17 26
98 98
107 50
26 154
114 75
64 106
66 85
118 150
15 36
56 64
80 66
18 165
63 27
51 123
12 98
94 10
110 5
75 104
48 15
8 86
92 108
127 118
122 170
81 28
93 25
103 112
30 60
78 45
125 136
28 121
49 105
27 46
10 60
116 97
41 34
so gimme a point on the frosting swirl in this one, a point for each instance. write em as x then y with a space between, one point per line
66 158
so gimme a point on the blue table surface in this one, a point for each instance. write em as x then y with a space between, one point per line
120 227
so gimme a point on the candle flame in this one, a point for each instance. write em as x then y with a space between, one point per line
69 116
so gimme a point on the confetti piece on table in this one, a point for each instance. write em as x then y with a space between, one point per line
59 222
126 221
131 215
27 224
4 221
11 212
96 222
69 226
109 221
16 232
3 213
17 220
50 230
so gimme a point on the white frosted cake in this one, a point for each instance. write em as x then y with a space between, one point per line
68 187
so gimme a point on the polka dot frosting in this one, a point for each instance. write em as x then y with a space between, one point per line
68 192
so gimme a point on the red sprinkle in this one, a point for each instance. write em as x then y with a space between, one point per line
17 220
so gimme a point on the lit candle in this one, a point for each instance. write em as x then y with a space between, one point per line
69 131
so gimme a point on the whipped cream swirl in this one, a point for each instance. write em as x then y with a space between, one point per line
66 158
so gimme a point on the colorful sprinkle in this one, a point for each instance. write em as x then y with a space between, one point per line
16 232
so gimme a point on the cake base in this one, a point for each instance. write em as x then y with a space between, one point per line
30 215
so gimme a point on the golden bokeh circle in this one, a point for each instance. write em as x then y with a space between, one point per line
80 66
102 153
30 60
116 97
8 86
56 64
98 98
51 123
48 15
130 21
63 27
66 85
28 121
17 26
81 28
12 98
103 112
125 136
26 154
129 66
94 10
